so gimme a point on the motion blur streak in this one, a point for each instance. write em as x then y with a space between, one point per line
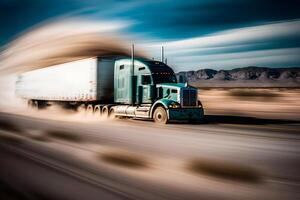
62 41
58 42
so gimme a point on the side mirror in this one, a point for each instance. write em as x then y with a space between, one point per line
168 93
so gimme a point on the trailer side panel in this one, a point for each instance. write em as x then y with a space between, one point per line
72 81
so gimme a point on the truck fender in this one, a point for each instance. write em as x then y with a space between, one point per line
161 103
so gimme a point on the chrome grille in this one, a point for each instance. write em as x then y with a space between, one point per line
189 98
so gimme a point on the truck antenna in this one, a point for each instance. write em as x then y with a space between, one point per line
132 75
132 57
162 54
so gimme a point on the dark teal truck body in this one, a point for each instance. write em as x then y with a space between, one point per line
142 88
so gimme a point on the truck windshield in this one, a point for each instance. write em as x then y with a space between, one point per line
161 72
163 78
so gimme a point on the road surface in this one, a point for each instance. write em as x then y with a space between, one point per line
237 157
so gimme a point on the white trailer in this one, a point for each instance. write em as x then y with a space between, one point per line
82 80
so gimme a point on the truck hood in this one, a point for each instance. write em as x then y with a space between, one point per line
175 85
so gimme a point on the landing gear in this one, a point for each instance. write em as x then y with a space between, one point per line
160 115
36 105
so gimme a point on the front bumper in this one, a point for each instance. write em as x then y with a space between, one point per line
189 114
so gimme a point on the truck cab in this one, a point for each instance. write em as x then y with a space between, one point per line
149 89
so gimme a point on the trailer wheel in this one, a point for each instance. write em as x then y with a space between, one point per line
97 111
160 115
89 110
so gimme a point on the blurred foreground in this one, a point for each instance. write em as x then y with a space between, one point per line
64 155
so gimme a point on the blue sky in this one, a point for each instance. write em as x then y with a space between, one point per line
219 34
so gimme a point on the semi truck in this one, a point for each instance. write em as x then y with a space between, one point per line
113 87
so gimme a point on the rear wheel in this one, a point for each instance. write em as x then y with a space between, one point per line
97 111
105 111
112 114
160 115
89 110
32 104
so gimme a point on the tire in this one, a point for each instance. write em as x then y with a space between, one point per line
89 110
97 111
105 111
112 114
160 115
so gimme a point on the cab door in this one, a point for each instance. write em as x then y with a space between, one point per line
123 84
145 89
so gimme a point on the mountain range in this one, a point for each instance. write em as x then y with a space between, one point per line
242 77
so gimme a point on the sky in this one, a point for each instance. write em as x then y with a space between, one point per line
218 34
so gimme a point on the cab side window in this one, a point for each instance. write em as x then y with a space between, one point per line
146 79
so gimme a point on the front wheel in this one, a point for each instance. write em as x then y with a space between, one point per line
160 115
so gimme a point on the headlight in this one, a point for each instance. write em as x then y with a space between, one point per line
174 105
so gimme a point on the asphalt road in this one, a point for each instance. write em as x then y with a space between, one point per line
240 158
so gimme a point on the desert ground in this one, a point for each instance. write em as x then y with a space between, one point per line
272 103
